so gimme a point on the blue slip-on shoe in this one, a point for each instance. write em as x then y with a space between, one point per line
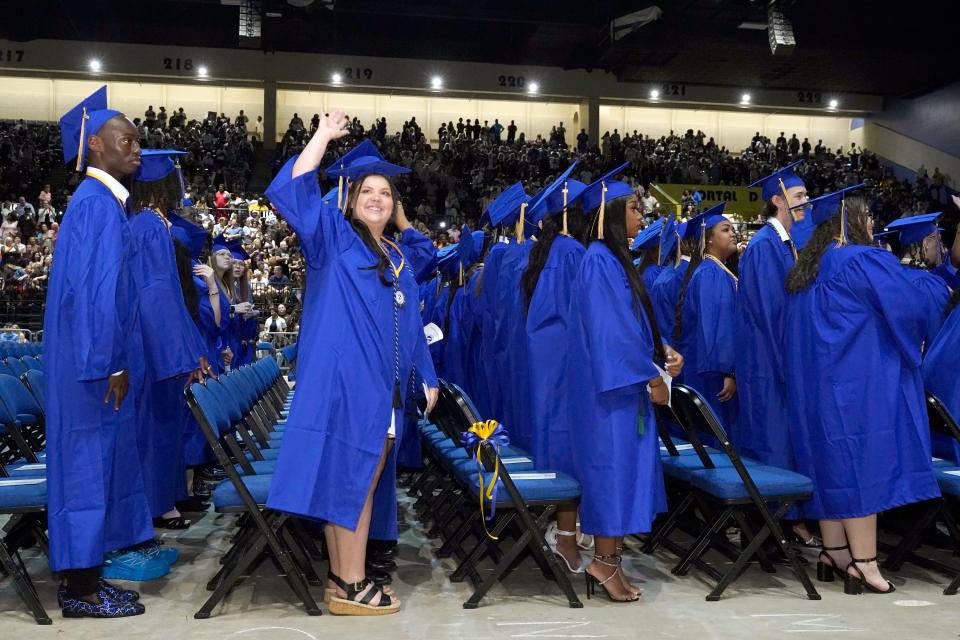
113 592
156 551
132 565
77 608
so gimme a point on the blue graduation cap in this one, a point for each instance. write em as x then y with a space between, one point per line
447 260
361 161
779 181
507 204
219 244
668 239
702 221
237 250
827 205
188 234
156 164
915 228
546 202
603 190
648 238
85 119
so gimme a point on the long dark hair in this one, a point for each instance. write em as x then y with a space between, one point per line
952 302
615 238
805 271
164 194
539 254
696 258
185 274
383 262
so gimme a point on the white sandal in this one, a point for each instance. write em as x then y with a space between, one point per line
551 535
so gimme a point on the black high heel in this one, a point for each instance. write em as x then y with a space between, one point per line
593 581
854 585
826 572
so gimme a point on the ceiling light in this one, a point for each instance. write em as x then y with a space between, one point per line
436 82
745 98
202 71
95 65
337 78
533 87
654 93
834 103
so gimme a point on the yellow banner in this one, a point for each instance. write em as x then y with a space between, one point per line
744 202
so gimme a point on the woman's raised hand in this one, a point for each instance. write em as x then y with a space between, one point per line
333 126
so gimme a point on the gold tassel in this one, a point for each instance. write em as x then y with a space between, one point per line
679 255
461 272
83 129
843 223
340 198
603 204
518 232
565 191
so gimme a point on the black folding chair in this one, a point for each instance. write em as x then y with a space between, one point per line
734 492
948 477
24 498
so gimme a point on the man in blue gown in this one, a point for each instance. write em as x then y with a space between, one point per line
96 500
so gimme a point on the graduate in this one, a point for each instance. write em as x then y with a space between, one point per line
704 325
939 363
361 323
613 380
243 317
665 290
96 501
858 422
647 243
173 349
504 210
546 285
457 324
762 428
920 252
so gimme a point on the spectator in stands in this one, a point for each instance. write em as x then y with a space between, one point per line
275 324
279 280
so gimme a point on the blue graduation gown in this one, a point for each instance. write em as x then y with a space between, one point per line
488 349
707 342
421 252
196 451
858 421
334 438
96 501
932 295
548 332
762 430
948 273
610 360
454 341
650 275
664 295
510 344
172 348
940 378
438 349
475 369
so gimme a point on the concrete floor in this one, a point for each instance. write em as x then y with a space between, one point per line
757 606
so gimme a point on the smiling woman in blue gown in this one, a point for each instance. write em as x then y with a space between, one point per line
859 426
613 381
361 336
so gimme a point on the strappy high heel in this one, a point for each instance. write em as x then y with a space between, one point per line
593 581
552 543
827 571
854 585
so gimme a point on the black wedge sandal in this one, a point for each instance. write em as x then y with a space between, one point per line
854 585
827 571
350 606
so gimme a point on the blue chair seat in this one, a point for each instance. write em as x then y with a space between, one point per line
268 454
725 483
949 484
22 492
27 469
680 467
517 463
563 488
225 496
260 467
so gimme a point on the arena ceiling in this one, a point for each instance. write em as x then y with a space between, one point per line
852 46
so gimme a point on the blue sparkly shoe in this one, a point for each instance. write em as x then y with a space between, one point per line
156 551
110 591
108 608
132 565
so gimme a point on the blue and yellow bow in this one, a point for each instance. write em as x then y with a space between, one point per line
473 439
